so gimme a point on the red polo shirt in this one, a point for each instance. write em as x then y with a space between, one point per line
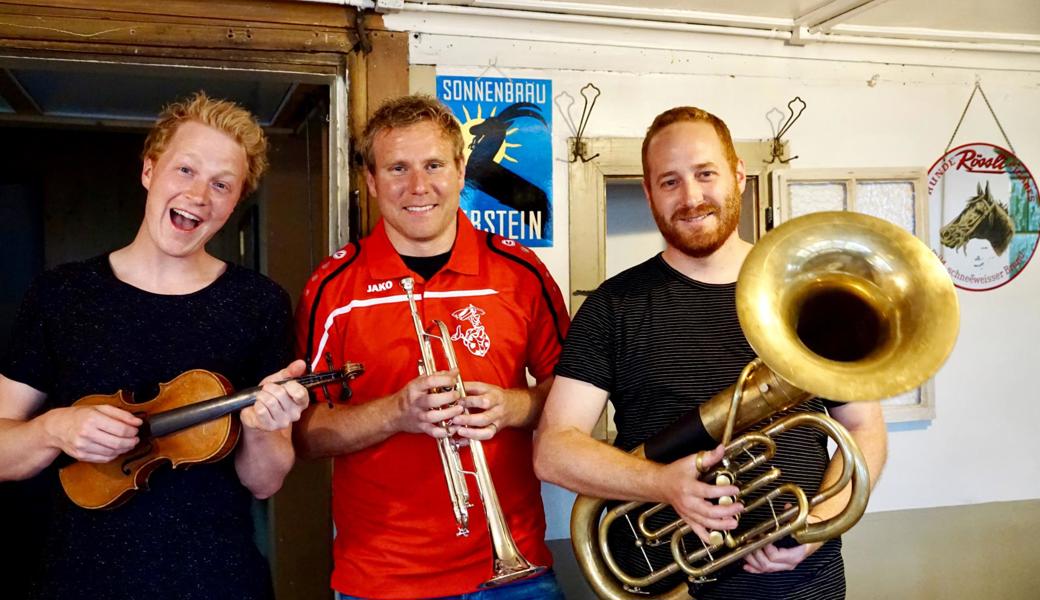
395 529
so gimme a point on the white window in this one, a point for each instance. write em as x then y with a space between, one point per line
896 195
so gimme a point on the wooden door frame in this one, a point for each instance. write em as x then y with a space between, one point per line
336 45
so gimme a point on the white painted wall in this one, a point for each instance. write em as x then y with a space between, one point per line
868 106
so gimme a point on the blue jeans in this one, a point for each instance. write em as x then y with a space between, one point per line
543 587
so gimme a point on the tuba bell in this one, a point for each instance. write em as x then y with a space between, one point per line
838 305
508 564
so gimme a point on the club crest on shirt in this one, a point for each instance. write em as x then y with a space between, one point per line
475 339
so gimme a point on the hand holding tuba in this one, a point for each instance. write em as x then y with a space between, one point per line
838 305
508 563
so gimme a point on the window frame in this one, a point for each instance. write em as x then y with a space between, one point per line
924 409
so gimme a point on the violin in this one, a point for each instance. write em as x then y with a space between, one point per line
189 421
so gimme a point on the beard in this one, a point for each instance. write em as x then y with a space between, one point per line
704 242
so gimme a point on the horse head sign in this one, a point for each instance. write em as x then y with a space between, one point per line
985 215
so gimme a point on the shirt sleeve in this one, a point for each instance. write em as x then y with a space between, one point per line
550 324
588 354
27 359
276 336
313 341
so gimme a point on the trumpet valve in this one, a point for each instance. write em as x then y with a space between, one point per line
715 539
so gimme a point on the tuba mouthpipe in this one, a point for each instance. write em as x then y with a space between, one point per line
704 427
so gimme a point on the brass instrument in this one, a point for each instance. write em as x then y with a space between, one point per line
508 563
839 305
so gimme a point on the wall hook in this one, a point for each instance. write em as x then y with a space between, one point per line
777 148
589 93
492 65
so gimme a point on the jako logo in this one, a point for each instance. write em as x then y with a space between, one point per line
380 287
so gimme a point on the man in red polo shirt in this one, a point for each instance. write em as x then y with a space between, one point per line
396 529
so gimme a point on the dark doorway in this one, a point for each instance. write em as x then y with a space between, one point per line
71 135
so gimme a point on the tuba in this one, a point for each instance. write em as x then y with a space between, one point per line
838 305
508 563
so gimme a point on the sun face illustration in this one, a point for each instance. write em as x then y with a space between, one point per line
467 136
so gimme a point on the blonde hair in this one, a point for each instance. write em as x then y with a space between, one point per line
681 114
405 111
223 115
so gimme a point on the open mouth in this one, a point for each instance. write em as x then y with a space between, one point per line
420 209
183 220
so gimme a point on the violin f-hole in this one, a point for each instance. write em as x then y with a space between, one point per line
142 450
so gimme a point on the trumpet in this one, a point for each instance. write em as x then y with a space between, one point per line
508 563
838 305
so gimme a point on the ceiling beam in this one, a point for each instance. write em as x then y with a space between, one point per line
826 16
14 94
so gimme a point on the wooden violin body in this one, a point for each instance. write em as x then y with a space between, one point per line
192 420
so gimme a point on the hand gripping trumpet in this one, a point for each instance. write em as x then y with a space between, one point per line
838 305
509 564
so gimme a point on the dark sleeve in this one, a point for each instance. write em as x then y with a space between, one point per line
588 352
27 359
831 404
275 334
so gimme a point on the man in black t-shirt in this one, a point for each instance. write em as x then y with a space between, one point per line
131 320
663 337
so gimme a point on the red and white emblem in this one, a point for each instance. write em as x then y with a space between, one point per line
475 339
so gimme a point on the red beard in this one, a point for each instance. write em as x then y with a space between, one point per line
704 242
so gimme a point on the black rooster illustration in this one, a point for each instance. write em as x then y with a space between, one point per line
486 175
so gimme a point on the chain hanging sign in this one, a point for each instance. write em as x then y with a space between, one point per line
984 211
985 215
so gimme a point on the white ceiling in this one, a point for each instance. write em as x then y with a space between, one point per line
980 21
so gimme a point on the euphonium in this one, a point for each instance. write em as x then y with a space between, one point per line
838 305
508 563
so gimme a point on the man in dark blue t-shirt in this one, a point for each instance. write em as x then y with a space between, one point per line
131 320
660 339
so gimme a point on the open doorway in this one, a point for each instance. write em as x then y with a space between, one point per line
71 134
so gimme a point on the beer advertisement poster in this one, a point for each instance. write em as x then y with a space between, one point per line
507 135
984 215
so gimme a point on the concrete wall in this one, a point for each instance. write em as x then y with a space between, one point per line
868 106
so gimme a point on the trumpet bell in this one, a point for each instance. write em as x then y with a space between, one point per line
848 306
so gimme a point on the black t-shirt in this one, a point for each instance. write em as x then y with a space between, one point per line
426 266
662 344
190 535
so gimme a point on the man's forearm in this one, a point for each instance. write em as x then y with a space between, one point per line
873 445
324 431
263 460
24 450
528 403
576 461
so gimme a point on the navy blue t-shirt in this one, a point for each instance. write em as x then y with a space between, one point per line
190 535
662 344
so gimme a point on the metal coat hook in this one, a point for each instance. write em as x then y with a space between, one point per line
493 65
564 102
364 40
589 93
777 148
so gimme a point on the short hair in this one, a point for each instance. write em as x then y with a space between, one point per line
693 114
228 117
406 111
